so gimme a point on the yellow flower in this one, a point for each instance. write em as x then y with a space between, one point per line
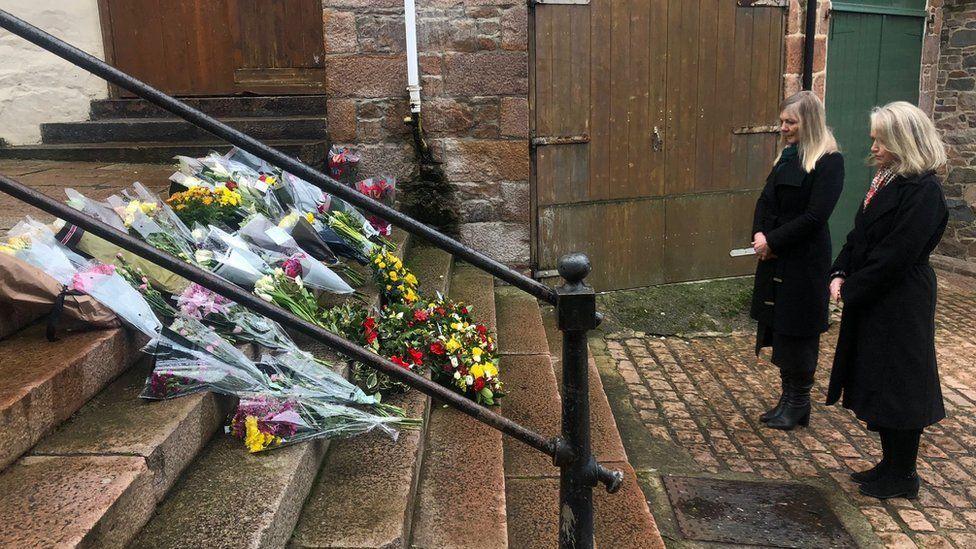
490 369
394 276
477 371
254 439
410 296
411 280
452 345
310 217
476 354
388 287
382 265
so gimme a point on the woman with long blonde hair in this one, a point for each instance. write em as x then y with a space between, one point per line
885 367
792 242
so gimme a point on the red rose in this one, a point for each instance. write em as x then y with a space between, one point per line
464 310
481 329
399 362
437 348
370 336
479 384
420 315
369 323
441 311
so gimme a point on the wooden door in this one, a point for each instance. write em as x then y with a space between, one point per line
217 47
874 57
653 129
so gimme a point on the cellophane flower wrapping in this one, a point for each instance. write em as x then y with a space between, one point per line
382 189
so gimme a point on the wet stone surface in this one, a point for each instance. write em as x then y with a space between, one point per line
701 397
776 514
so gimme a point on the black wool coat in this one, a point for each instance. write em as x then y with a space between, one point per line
885 365
791 293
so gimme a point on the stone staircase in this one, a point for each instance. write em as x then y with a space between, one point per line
133 130
118 472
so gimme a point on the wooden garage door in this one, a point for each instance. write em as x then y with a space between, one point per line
652 132
217 47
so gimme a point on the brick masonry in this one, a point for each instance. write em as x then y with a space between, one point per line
954 111
705 395
474 74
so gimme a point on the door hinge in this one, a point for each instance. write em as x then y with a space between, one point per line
547 140
763 3
532 3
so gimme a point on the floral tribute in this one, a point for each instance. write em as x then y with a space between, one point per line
283 239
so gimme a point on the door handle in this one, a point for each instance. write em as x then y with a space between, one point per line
657 142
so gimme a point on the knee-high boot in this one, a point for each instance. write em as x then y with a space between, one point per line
796 409
775 410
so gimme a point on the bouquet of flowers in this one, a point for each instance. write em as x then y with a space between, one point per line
462 354
343 164
207 206
382 189
289 293
395 281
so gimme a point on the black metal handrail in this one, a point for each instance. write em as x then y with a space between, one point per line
274 157
575 301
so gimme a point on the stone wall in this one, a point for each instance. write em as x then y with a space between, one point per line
955 116
474 74
795 41
36 86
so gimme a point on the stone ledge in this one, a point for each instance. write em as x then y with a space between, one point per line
43 383
953 265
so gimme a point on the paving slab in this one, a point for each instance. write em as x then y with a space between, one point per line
74 501
520 330
168 434
42 383
229 498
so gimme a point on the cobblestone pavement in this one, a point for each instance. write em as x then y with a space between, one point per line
93 179
706 394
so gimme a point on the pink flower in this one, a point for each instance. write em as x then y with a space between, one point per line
84 281
198 302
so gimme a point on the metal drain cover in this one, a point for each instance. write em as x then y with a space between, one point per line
776 514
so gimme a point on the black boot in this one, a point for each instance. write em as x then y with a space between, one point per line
898 478
871 474
796 410
775 410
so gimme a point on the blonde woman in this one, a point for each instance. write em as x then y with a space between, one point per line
885 364
792 242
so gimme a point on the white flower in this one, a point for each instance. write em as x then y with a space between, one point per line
457 375
468 380
199 234
203 256
298 280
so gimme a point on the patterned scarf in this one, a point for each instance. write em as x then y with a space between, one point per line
882 178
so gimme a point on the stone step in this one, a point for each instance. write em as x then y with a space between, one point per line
176 130
463 474
219 107
311 152
365 495
532 483
96 480
42 383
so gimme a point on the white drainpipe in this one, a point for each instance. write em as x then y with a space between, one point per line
413 71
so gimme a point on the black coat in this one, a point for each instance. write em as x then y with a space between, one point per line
791 291
885 362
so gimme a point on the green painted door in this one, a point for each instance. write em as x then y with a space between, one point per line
874 57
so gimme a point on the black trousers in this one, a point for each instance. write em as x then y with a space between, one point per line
899 449
792 354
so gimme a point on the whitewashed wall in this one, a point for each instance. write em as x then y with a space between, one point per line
37 86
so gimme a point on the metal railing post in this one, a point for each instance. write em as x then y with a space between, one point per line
576 315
